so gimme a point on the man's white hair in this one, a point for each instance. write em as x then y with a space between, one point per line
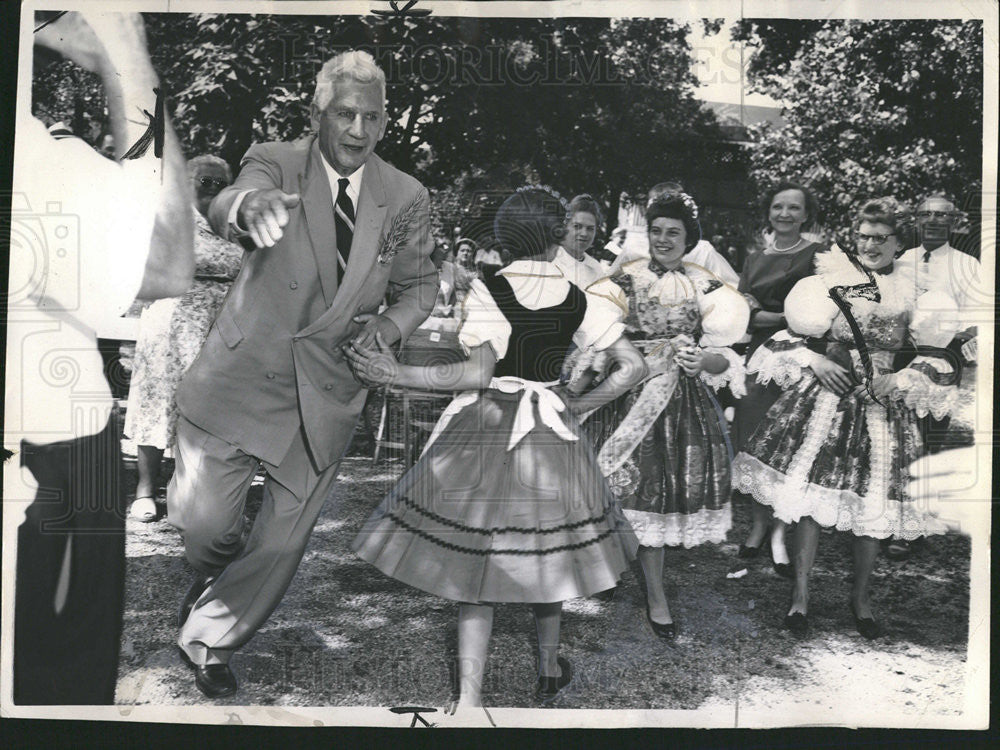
354 64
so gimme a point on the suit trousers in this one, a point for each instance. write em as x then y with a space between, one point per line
206 500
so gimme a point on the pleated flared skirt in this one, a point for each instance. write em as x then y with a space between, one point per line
477 521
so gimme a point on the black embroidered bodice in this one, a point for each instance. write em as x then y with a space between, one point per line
539 339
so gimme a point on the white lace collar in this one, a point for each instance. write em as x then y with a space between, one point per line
836 269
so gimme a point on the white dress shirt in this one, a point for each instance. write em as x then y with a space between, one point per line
706 256
81 226
583 272
488 258
955 273
353 183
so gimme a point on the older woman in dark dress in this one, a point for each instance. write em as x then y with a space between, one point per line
767 278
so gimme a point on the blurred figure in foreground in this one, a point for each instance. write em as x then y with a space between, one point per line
123 230
934 477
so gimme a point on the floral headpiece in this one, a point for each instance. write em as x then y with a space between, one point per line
689 204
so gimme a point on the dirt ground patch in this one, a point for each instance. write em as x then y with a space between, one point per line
345 635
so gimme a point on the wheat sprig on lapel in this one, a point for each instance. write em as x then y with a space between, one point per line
399 229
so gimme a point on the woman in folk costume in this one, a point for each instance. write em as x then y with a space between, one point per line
669 459
833 450
507 504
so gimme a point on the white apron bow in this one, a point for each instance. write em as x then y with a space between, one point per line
550 406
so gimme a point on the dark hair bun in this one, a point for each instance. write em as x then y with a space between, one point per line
530 221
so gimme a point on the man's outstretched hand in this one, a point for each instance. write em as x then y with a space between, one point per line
264 214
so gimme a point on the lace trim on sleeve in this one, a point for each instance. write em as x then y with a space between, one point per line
917 388
734 376
782 358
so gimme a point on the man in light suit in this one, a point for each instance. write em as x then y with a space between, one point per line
334 228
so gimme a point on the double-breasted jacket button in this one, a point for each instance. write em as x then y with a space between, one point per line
270 376
294 285
328 387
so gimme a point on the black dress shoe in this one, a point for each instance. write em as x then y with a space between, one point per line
797 623
666 631
548 687
750 553
869 627
198 587
785 570
901 549
214 680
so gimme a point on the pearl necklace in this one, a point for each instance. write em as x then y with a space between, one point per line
776 249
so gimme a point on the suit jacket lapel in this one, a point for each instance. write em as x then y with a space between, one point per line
370 215
317 207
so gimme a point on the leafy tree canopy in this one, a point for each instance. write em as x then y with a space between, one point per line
586 104
872 108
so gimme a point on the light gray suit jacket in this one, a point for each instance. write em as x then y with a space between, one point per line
272 361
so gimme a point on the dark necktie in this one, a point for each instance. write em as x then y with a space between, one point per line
344 221
927 256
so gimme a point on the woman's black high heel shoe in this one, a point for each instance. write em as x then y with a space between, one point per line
797 623
666 631
752 553
869 627
785 570
547 688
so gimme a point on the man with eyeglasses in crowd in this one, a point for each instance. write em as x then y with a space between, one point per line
938 265
936 261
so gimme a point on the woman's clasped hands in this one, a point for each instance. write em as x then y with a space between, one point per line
834 377
881 387
692 359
